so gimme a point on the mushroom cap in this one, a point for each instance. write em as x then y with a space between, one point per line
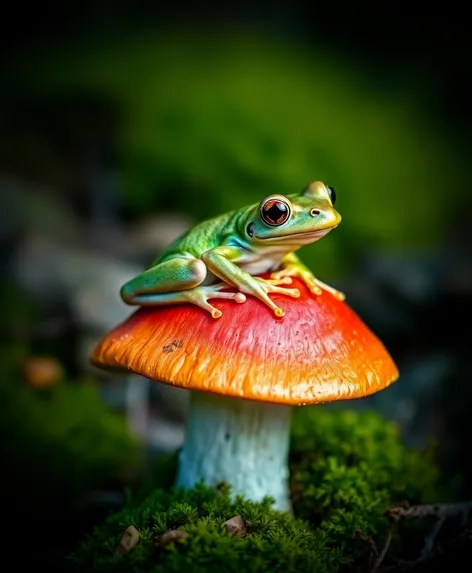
320 351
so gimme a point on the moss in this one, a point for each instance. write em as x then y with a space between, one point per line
59 442
347 468
276 541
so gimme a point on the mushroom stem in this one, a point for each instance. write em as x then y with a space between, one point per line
239 442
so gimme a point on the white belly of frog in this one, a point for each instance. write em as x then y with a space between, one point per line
255 267
262 265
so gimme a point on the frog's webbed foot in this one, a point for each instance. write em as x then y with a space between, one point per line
261 288
202 294
198 296
314 285
319 287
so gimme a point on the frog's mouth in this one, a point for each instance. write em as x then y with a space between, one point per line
300 238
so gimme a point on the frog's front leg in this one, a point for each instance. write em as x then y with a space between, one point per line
222 262
291 266
176 281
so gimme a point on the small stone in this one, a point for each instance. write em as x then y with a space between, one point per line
128 541
235 526
42 372
171 536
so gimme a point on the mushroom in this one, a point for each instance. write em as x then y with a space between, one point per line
246 370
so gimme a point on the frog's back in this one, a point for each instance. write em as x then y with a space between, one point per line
198 239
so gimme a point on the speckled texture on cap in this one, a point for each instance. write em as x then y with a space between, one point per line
319 351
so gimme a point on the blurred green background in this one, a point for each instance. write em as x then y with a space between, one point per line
203 120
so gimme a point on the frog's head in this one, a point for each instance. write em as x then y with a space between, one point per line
296 219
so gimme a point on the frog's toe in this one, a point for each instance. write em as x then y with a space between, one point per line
293 292
237 296
339 295
315 290
275 309
282 280
321 286
201 295
278 275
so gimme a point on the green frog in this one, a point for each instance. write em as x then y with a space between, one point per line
232 249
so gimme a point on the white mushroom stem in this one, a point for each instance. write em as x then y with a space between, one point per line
239 442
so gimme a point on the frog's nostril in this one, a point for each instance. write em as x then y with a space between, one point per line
315 212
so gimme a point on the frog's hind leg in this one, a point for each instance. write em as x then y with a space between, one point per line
198 296
178 274
176 281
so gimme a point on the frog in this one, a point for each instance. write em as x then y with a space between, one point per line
233 249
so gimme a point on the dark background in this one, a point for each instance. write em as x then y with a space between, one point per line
433 41
78 188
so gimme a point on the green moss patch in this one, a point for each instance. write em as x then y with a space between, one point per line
58 443
347 469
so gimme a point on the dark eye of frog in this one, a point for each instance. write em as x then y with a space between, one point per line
332 194
275 212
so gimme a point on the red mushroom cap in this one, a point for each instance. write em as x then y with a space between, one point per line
319 351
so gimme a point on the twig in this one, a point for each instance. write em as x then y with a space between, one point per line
430 539
401 566
386 545
438 510
369 543
441 512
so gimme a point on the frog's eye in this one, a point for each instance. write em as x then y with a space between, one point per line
332 194
275 212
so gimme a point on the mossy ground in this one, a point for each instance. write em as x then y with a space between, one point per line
347 469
